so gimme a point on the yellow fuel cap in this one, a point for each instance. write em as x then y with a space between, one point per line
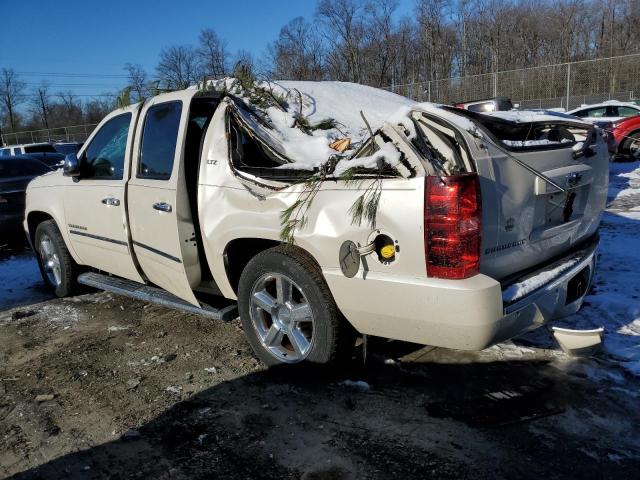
388 251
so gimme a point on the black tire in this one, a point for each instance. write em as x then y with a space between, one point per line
68 269
332 338
626 150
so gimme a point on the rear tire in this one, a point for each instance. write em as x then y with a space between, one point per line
57 267
288 313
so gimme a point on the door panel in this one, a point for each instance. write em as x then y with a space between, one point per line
95 205
161 225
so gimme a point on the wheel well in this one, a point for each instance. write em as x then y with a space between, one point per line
626 138
33 220
634 132
238 252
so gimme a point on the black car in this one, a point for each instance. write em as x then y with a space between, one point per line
15 174
52 160
68 147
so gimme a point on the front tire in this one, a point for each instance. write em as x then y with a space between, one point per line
57 267
288 313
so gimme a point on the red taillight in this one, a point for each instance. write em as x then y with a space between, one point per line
452 232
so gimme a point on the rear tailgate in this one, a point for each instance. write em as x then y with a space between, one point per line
526 220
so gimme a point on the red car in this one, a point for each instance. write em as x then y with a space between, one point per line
624 138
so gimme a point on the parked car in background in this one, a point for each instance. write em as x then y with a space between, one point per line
68 147
27 148
606 112
15 173
623 138
53 160
488 105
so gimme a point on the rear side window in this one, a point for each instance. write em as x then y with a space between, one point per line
626 112
482 107
40 148
22 167
592 112
159 139
5 152
104 157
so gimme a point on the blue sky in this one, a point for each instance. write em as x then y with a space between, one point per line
95 39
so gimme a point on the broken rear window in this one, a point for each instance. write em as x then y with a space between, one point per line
537 134
252 155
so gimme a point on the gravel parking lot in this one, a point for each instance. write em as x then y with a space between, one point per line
142 392
99 386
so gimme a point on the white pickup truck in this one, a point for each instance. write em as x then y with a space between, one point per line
485 226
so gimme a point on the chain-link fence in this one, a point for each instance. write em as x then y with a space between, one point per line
75 133
566 85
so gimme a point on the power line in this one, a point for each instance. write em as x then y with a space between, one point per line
49 84
76 95
72 75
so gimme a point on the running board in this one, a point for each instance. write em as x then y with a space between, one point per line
224 309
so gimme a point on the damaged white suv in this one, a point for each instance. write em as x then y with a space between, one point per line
319 210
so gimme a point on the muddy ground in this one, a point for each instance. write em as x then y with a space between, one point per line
138 391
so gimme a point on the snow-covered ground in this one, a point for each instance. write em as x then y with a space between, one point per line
615 301
21 281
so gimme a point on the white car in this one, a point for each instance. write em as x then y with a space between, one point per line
27 148
606 112
483 227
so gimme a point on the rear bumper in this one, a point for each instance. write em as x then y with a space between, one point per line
470 314
555 291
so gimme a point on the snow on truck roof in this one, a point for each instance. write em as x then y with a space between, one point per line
339 106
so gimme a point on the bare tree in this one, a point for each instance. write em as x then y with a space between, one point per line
343 31
212 52
244 64
68 111
379 41
297 54
11 94
96 109
41 103
138 81
179 67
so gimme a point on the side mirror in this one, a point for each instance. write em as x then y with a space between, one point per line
71 166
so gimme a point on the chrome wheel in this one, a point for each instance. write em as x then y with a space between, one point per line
50 260
282 317
634 149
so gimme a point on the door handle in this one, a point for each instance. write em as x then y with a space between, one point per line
162 207
111 202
